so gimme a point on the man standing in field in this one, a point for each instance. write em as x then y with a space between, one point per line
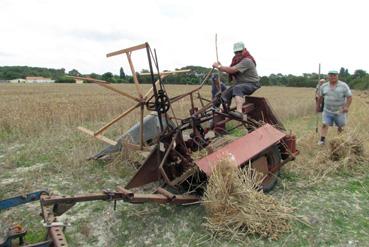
242 72
337 100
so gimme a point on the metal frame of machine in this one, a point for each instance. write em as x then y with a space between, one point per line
266 146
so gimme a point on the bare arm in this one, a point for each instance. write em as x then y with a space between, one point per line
229 70
347 105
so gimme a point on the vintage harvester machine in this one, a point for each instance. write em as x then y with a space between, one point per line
173 145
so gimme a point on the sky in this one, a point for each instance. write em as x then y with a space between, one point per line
285 36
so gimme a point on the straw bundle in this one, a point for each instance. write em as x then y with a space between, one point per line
236 206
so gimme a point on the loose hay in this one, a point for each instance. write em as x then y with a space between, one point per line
237 207
125 161
346 146
346 152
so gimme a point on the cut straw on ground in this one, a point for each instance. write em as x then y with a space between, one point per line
236 207
345 152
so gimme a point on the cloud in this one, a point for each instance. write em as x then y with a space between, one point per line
5 54
285 36
174 10
102 36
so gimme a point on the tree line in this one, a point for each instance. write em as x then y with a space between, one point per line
358 80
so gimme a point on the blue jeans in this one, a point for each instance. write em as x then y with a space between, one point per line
339 119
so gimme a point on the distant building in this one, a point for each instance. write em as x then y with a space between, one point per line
20 80
38 79
79 81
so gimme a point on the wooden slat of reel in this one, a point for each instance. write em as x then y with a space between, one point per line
140 99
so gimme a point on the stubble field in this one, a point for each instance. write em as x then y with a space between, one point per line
40 147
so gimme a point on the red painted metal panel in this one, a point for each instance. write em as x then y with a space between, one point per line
244 148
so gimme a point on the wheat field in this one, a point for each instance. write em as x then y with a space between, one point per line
31 109
40 147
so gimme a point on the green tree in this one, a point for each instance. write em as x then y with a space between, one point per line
94 75
359 73
264 81
108 76
344 74
122 75
74 72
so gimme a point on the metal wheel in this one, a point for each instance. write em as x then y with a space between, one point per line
273 158
270 182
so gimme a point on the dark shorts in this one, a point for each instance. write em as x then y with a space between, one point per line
240 89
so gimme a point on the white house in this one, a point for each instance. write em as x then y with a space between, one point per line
79 81
38 79
20 80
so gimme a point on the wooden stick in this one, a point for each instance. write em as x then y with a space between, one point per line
137 84
317 114
169 72
116 119
181 96
216 52
99 137
130 49
216 46
105 84
117 91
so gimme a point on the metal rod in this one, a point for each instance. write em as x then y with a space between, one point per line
154 85
122 195
201 99
192 103
142 126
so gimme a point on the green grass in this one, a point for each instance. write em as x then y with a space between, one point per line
338 208
237 132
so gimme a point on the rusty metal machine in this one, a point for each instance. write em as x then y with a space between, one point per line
171 143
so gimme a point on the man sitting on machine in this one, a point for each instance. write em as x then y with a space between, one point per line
242 72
